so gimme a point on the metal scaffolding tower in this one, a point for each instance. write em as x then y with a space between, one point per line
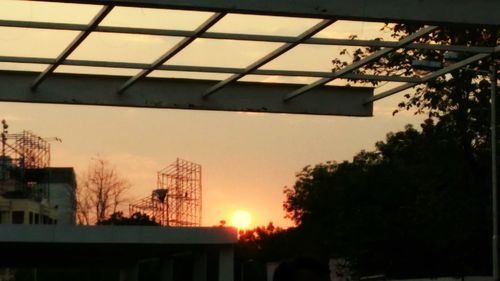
177 200
23 157
26 150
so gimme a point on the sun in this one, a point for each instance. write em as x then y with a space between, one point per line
241 219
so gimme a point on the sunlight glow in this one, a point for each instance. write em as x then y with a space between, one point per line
241 219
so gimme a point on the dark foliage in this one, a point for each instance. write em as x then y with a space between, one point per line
420 204
414 207
135 219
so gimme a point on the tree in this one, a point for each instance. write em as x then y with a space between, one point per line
260 245
403 210
460 98
101 191
424 194
135 219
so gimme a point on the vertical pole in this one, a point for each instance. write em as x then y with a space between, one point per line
494 245
130 272
200 266
167 269
226 263
200 195
168 206
4 142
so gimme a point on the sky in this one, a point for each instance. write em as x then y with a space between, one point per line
247 158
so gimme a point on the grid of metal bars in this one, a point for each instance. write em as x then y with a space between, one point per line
177 201
24 154
254 68
26 150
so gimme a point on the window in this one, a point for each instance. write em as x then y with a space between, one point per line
37 218
18 217
31 217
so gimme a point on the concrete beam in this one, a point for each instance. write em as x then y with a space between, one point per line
184 94
116 235
482 12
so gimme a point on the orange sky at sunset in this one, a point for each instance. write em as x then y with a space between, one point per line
247 158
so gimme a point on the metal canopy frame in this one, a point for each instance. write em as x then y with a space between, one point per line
231 94
457 11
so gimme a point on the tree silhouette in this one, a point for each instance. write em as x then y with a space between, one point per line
420 204
406 209
101 191
460 98
135 219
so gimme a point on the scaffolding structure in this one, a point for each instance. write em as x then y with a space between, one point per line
177 200
26 150
23 157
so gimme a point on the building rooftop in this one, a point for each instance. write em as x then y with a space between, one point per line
59 245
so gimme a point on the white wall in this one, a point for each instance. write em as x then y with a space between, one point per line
62 195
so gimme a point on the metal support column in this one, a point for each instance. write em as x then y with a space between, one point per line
493 78
200 266
226 263
167 269
130 272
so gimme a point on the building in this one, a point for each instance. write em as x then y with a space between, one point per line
37 196
178 253
32 192
26 211
60 183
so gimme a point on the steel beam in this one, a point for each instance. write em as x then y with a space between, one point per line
72 46
494 183
173 51
209 69
428 77
184 94
271 56
356 65
478 12
245 37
